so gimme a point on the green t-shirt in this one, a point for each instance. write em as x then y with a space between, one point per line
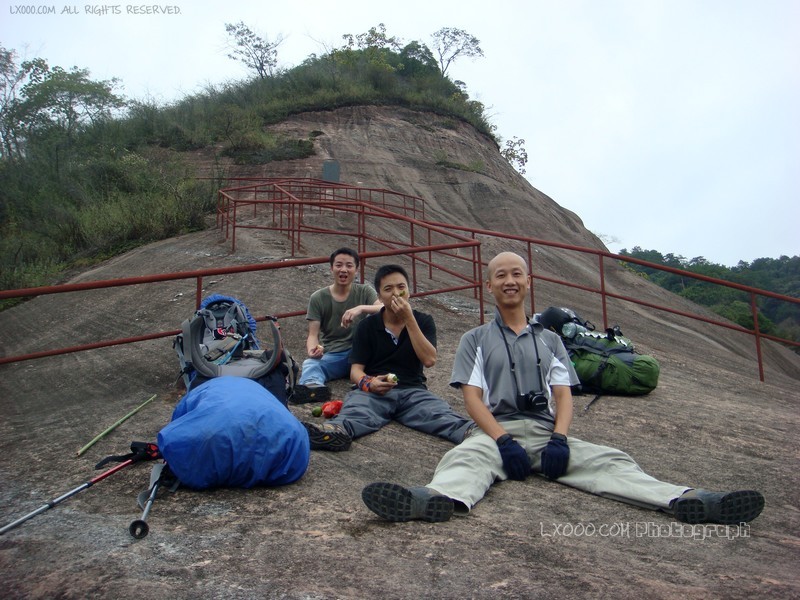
323 308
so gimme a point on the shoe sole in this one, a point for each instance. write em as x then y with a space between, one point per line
735 507
304 395
333 441
396 503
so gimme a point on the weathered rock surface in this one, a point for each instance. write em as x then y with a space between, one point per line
710 423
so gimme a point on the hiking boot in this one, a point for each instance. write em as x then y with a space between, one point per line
731 508
310 392
328 436
394 502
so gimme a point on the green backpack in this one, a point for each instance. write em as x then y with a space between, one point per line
608 363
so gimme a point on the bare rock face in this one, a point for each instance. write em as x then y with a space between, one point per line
409 152
710 423
464 180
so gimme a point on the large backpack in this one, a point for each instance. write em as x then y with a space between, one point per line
231 432
220 339
607 362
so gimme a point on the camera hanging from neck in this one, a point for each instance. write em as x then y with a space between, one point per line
533 401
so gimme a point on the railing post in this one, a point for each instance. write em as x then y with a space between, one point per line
294 219
479 264
198 294
757 331
430 257
228 218
233 235
362 226
299 206
530 274
413 256
603 291
476 273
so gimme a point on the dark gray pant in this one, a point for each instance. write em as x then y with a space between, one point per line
364 413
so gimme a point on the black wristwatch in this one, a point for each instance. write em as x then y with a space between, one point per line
558 436
503 439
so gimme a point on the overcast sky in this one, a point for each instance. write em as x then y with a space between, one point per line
671 125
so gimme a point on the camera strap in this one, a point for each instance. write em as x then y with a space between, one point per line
512 364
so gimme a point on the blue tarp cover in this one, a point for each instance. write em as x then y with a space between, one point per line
231 432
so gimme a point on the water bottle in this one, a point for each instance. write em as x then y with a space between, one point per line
570 330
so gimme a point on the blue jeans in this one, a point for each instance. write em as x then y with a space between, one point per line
332 365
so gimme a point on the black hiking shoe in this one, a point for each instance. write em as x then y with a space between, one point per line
328 436
732 508
394 502
310 392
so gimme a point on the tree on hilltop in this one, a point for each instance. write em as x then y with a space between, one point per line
451 43
255 52
374 38
43 107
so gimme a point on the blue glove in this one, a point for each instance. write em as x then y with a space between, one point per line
516 462
555 456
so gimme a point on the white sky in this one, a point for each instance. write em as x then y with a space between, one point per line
672 125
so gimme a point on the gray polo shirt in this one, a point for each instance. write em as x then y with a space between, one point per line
493 357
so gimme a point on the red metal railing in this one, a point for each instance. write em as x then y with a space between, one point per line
604 294
290 206
408 250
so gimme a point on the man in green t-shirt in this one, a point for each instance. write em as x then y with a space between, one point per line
332 313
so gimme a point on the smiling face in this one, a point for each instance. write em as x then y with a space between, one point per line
508 280
343 269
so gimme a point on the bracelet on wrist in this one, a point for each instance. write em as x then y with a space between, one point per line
363 383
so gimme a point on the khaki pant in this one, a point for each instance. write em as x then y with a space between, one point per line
467 471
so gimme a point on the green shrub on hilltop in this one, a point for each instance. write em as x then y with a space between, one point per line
85 178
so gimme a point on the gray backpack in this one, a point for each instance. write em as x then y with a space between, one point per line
220 339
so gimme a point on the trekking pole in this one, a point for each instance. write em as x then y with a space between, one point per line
60 499
139 528
161 475
593 400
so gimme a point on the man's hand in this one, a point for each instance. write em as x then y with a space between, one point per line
516 462
555 456
315 351
380 384
401 307
350 315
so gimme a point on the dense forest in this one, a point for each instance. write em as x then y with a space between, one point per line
778 275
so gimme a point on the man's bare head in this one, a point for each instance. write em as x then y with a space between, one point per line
506 259
508 281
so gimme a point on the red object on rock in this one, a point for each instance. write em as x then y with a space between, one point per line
331 409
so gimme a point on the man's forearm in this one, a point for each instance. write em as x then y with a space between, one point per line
425 351
564 408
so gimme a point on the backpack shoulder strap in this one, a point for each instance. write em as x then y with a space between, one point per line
277 344
192 337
